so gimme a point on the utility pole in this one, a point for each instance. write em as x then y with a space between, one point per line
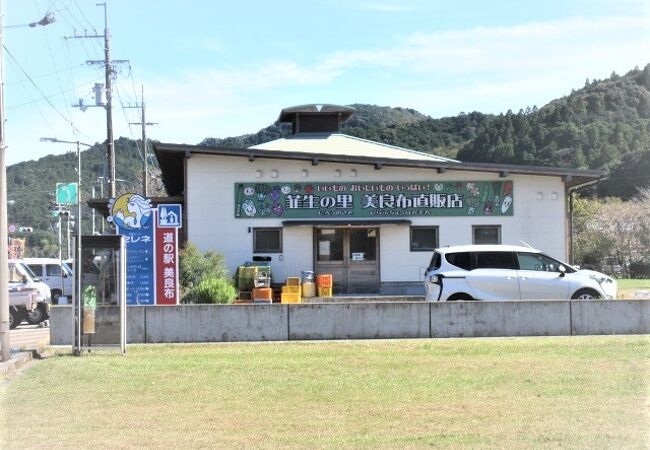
144 123
109 71
5 352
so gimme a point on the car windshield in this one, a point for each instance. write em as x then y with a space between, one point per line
31 273
66 268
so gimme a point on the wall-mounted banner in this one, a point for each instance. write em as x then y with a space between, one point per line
373 199
151 249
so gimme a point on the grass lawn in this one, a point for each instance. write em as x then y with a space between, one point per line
551 392
628 287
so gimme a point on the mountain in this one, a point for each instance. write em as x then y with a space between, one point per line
396 126
31 186
604 125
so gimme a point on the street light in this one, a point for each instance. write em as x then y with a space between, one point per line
78 262
5 345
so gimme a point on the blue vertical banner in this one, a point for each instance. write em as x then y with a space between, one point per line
133 218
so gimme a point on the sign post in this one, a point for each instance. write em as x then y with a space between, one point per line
151 236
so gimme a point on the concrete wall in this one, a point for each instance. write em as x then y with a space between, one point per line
613 317
372 320
359 321
458 319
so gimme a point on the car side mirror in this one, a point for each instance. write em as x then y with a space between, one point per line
65 274
23 279
562 270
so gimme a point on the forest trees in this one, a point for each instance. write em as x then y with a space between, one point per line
613 235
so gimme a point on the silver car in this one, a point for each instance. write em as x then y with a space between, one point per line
508 272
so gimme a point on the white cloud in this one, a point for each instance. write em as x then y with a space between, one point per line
485 69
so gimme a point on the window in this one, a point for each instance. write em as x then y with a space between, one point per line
424 239
37 269
329 244
462 260
535 261
15 276
363 244
267 240
486 234
53 270
435 261
495 260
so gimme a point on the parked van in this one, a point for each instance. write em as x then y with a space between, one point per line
22 278
55 273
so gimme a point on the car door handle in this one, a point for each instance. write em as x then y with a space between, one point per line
510 277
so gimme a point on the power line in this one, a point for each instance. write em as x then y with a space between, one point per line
74 128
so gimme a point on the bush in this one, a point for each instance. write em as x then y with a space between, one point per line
196 266
212 290
640 270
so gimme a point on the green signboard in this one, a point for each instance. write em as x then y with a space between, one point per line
66 193
373 199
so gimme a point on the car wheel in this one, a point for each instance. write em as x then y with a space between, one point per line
16 316
459 296
38 315
586 294
55 296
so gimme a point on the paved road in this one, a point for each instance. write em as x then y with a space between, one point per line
29 337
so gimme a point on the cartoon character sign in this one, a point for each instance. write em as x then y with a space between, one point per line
130 211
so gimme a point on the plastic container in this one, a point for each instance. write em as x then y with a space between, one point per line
262 294
290 298
308 289
324 291
291 289
324 280
293 281
246 277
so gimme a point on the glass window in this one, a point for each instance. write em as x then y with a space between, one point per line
14 275
486 234
435 261
363 244
424 239
462 260
329 243
535 261
267 240
495 260
53 270
37 269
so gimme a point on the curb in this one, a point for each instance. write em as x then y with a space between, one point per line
16 362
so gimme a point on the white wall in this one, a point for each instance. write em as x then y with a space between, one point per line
539 213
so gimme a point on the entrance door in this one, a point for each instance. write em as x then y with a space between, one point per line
351 255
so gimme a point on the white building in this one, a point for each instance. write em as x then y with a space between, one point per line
366 212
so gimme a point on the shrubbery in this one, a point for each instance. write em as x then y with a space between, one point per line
212 290
204 277
196 266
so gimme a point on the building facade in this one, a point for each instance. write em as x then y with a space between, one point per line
366 212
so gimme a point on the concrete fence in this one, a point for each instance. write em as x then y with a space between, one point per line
380 320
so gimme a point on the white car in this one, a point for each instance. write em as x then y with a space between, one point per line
508 272
55 273
21 277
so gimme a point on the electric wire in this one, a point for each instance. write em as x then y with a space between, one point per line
39 89
74 88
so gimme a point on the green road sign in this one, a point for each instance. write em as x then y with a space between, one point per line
66 193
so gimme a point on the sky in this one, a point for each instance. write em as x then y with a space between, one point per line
212 68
